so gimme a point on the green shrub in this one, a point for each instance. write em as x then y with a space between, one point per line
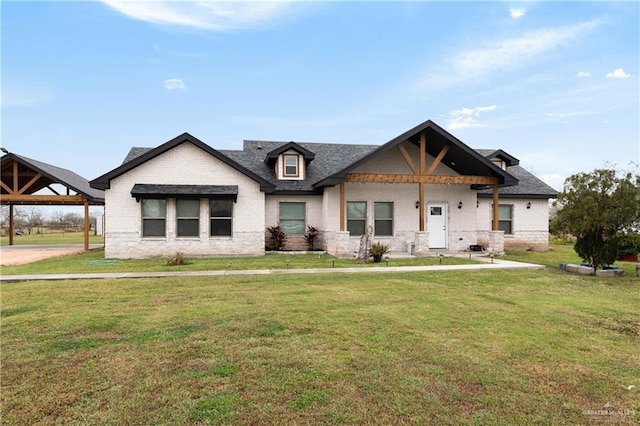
378 250
629 244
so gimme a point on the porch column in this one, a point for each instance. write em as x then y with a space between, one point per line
11 224
496 207
422 206
86 225
342 206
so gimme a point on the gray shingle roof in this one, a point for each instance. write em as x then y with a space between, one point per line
529 186
331 158
59 175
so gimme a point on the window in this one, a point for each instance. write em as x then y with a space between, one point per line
220 214
290 165
154 215
383 217
188 216
505 218
356 217
500 163
292 218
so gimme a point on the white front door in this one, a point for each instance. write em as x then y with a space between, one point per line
437 225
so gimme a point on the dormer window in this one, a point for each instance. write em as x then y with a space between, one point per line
290 161
500 163
291 165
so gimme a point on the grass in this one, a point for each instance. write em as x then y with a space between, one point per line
463 347
51 238
94 261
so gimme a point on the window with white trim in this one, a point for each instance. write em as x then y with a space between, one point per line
383 218
154 217
188 217
220 217
292 218
356 217
505 218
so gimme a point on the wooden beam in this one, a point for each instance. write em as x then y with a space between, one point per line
43 199
342 206
15 176
422 213
407 158
438 160
6 187
405 178
31 182
496 208
52 190
86 225
423 152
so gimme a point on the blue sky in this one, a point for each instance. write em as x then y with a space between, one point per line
555 84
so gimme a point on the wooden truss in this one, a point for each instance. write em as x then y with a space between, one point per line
421 175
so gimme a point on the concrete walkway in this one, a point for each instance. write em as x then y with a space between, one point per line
490 264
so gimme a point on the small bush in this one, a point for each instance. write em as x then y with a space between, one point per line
378 250
177 259
311 236
278 237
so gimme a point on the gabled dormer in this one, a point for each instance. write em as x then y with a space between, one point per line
290 161
502 159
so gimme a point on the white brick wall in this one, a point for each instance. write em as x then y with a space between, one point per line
313 212
530 225
185 164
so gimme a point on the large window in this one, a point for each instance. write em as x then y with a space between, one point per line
505 218
154 217
291 165
383 217
188 216
356 217
220 215
292 218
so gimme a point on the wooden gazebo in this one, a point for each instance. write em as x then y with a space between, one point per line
29 182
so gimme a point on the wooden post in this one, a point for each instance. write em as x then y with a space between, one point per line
496 208
423 152
421 199
342 206
86 225
11 224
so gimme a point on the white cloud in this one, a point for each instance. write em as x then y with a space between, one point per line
206 15
174 84
619 73
516 13
554 180
516 51
466 117
584 74
21 95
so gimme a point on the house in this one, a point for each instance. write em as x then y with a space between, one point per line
423 191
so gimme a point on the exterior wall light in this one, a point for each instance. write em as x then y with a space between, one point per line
460 205
529 205
417 204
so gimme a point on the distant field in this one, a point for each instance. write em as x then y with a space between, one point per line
447 348
51 238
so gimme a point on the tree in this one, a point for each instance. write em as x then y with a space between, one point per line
33 218
595 207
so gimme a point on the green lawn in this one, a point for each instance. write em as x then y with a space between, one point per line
51 238
94 261
465 347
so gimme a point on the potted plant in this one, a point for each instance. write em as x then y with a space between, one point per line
378 250
629 247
